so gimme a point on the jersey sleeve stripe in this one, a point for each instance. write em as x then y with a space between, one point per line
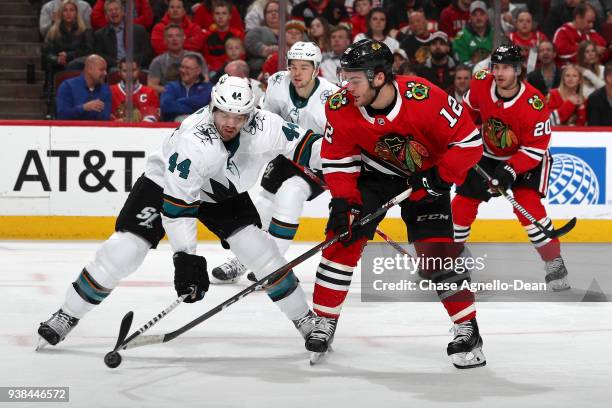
304 149
347 159
175 208
474 139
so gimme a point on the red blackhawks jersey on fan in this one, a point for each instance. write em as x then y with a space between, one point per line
425 127
517 130
145 103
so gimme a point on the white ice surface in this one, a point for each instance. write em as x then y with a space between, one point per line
249 355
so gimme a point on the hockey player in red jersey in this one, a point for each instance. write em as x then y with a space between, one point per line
144 100
516 132
383 133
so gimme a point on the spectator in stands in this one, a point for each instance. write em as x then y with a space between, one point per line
400 11
547 75
416 44
333 11
176 14
203 15
143 14
461 82
219 33
339 39
455 17
590 67
241 69
439 67
399 58
566 103
558 15
294 31
144 99
599 106
475 41
165 67
86 97
110 41
526 36
50 13
378 29
186 95
68 41
359 20
255 14
569 35
262 41
234 51
407 68
319 33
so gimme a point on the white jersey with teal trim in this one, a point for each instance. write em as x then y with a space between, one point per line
195 165
282 99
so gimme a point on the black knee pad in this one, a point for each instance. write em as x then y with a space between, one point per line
141 213
281 169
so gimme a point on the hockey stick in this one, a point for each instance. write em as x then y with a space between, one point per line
394 244
164 338
112 359
552 233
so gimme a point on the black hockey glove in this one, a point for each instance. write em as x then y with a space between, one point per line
430 181
190 270
503 177
342 217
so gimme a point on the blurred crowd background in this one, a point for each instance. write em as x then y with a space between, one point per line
78 59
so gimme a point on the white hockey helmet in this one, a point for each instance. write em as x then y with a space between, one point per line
306 51
233 95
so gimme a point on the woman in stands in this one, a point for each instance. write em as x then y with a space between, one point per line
567 103
590 67
319 33
68 41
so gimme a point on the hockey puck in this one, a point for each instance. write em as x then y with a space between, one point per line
112 359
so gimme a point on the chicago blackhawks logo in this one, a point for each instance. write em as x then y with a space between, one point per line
499 134
482 74
536 103
401 151
416 91
337 100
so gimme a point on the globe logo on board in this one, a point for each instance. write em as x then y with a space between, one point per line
572 181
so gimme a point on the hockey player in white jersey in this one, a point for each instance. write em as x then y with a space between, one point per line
202 171
298 96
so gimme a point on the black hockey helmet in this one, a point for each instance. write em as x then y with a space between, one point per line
507 54
370 56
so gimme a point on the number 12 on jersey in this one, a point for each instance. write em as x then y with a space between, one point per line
456 107
182 167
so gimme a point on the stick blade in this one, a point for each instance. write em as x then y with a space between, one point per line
556 233
124 329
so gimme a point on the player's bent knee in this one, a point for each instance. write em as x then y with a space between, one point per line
118 257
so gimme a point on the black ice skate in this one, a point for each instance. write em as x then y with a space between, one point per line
465 350
556 275
55 329
321 337
306 324
228 272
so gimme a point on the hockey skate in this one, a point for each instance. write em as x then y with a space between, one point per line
228 272
556 275
55 329
465 350
306 324
320 339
